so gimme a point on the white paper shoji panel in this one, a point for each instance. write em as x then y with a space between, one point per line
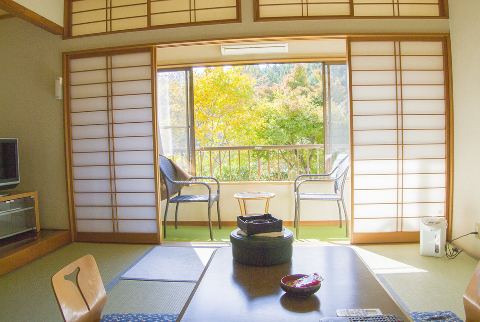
346 8
396 8
192 11
301 8
398 134
100 16
112 143
90 17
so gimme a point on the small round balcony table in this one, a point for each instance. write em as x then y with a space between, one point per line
242 198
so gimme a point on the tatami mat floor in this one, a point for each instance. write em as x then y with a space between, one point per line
420 283
148 297
26 293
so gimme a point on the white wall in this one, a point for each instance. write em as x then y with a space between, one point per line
30 61
465 38
50 9
297 49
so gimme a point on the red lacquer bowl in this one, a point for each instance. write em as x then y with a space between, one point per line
299 291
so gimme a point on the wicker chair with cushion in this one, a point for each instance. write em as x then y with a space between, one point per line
337 176
174 179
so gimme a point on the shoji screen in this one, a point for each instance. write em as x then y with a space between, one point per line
399 114
398 8
173 12
89 17
310 9
301 8
112 147
101 16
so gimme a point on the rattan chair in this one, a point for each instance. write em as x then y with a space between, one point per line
337 176
174 182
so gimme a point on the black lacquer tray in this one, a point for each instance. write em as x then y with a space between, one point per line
257 224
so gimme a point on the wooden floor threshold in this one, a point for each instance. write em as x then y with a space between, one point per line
20 253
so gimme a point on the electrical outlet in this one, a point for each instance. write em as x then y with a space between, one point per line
477 229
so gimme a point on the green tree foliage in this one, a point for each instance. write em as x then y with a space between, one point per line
222 100
274 104
288 113
269 74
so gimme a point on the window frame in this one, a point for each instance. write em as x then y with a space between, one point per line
190 97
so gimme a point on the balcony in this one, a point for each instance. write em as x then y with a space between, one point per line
256 163
262 168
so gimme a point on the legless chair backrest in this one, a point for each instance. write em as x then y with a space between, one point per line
471 298
85 300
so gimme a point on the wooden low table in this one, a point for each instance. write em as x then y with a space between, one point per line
230 291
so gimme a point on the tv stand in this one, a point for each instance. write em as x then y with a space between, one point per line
18 214
21 240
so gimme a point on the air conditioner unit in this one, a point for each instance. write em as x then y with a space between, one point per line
251 49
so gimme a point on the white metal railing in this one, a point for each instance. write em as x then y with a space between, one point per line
259 163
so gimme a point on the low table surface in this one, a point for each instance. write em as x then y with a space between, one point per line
254 195
230 291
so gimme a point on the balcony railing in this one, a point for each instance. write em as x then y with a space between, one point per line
259 163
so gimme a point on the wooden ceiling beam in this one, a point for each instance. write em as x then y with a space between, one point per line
28 15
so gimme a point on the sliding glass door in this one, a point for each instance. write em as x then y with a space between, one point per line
335 113
174 114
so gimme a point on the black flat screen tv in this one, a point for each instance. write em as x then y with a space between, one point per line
9 164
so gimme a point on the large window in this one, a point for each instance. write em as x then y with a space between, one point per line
264 122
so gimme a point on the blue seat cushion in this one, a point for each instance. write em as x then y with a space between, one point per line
444 316
146 317
320 196
193 198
